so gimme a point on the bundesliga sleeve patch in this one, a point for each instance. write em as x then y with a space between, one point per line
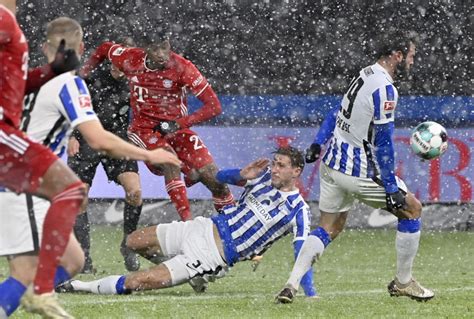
118 51
85 101
389 105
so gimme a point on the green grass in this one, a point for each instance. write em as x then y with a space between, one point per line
351 278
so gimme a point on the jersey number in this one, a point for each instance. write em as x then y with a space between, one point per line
354 88
197 142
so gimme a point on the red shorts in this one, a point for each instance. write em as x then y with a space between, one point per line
188 146
22 161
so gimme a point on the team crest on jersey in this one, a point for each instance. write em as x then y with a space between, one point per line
85 101
389 105
118 51
167 83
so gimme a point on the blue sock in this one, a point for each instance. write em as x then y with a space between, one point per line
120 286
409 225
323 235
11 291
61 276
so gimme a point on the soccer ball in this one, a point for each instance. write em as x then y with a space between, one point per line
429 140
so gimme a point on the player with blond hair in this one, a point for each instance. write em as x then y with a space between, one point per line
34 168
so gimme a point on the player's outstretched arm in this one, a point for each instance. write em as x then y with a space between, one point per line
236 176
99 55
104 141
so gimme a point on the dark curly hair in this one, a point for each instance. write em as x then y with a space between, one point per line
295 155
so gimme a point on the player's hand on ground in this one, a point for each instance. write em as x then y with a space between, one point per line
254 169
313 153
65 60
72 146
167 127
395 201
161 156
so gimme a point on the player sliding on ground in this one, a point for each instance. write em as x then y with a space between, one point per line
269 208
360 149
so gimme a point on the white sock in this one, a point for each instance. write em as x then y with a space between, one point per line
407 247
104 286
311 250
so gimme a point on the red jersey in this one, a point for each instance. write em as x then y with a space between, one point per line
13 68
159 94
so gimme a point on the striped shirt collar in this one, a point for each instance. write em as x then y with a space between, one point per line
377 66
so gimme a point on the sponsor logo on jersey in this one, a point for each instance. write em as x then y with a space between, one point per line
258 209
118 51
167 83
85 101
389 105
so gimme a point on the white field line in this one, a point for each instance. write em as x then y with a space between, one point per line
209 296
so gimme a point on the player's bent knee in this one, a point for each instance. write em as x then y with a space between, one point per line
133 240
134 197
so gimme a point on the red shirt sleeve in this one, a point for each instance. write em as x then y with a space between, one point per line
203 91
7 25
124 58
99 55
37 77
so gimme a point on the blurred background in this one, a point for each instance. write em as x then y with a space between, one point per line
280 66
283 47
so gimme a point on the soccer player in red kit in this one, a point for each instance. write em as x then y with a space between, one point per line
26 166
159 80
30 167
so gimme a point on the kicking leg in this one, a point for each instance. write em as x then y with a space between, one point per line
406 244
331 225
177 191
221 194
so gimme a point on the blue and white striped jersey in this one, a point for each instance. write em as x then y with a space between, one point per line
56 109
371 99
262 215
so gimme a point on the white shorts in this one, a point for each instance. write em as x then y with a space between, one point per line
339 190
21 223
191 247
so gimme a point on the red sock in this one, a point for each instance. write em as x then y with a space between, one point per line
178 195
57 227
221 202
